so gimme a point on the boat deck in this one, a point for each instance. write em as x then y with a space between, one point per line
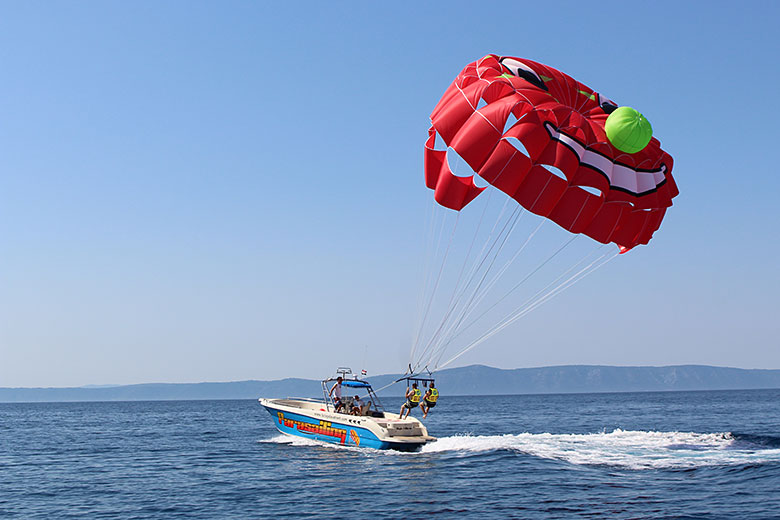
307 404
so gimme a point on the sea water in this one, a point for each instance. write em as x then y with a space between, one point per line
629 455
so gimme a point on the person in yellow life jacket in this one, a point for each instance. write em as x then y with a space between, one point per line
429 400
413 395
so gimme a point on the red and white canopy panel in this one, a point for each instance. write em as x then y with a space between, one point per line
558 127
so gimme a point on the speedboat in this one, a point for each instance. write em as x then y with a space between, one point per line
369 426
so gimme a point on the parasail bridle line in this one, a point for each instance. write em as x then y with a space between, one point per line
480 259
426 269
531 305
502 238
441 269
455 331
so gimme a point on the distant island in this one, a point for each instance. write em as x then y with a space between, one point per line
470 380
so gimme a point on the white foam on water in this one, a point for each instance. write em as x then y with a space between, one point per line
294 440
627 449
291 440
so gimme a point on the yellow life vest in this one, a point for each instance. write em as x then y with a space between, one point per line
433 396
416 396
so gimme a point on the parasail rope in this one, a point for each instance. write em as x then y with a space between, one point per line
453 333
525 309
420 330
471 247
532 304
451 308
574 266
527 277
477 294
472 304
438 277
497 252
502 237
386 386
426 270
482 254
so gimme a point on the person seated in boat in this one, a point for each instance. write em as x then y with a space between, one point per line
429 399
412 400
335 393
357 406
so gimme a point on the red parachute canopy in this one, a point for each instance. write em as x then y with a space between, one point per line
607 194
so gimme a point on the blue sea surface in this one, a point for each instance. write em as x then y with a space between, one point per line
631 455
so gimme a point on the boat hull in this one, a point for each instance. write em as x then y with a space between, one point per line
324 426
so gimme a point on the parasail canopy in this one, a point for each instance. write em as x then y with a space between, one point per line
560 149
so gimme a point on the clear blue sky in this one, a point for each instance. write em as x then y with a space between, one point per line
219 191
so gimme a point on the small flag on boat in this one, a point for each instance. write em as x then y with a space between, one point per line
363 372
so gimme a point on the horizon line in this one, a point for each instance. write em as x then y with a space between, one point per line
117 385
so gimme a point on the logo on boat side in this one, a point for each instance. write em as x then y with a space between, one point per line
355 437
323 428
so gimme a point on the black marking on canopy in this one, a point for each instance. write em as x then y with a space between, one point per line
548 126
530 77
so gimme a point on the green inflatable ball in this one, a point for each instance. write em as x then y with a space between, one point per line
628 130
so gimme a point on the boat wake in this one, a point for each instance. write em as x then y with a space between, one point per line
293 441
619 448
626 449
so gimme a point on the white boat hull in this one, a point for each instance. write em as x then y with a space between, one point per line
313 420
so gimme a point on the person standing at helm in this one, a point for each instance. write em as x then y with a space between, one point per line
429 399
335 393
413 395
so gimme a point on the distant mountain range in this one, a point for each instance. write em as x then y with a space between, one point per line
471 380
